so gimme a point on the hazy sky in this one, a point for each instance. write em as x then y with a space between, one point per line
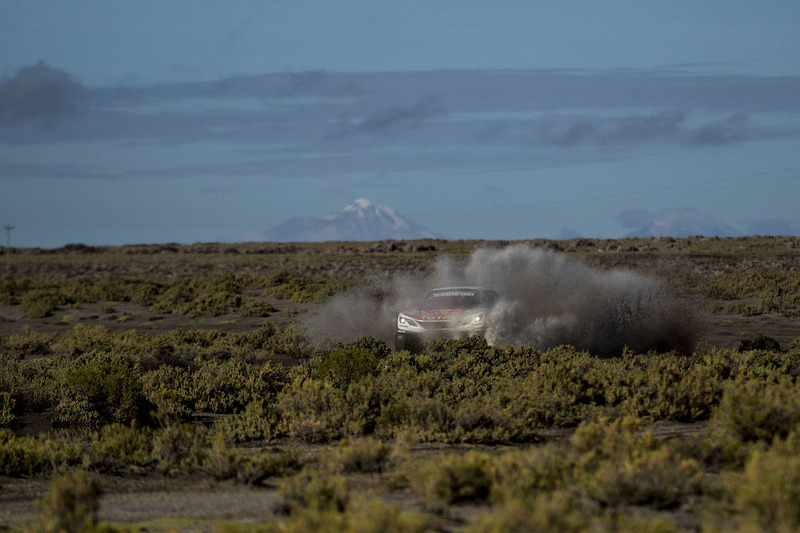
193 120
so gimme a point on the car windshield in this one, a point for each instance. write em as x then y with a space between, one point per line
451 300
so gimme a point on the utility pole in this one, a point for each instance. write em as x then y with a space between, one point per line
8 228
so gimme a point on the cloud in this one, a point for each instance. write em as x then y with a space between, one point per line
39 92
389 118
673 223
620 130
726 131
668 126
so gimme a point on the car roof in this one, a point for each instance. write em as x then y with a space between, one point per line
460 288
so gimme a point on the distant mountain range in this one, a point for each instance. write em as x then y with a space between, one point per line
360 221
674 223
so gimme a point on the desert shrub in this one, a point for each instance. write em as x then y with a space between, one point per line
193 297
298 287
144 293
291 339
560 391
766 365
119 448
101 392
129 347
778 290
557 512
759 342
21 456
455 478
654 477
526 473
219 296
226 386
31 384
763 496
257 421
12 289
478 419
311 490
563 512
27 456
189 345
361 516
25 344
757 411
365 455
39 303
316 411
616 464
180 448
343 366
178 297
7 405
376 347
670 387
71 504
254 307
169 389
82 339
224 463
741 308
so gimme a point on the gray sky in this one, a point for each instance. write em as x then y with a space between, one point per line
188 121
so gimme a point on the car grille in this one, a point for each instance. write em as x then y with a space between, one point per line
439 324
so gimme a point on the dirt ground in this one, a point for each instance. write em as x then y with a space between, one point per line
154 502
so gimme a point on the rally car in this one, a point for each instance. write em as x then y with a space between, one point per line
447 312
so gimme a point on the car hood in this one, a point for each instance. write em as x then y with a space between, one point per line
440 314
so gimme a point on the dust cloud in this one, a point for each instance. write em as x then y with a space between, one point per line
548 299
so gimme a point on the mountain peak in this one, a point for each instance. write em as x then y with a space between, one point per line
360 221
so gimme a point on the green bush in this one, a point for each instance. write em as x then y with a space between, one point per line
361 516
310 490
120 448
366 456
455 478
25 344
757 411
256 422
180 448
12 289
71 504
40 303
526 473
7 405
291 285
228 386
21 457
99 392
169 389
557 512
224 463
764 496
254 307
343 366
27 456
618 465
193 297
316 411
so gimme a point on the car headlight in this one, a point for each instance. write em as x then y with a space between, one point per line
404 321
474 320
